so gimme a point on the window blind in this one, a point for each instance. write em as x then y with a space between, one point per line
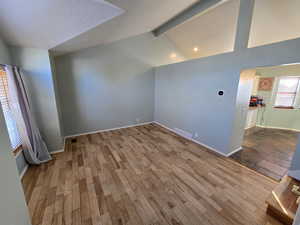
8 116
288 92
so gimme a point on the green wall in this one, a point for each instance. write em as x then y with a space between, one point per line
274 117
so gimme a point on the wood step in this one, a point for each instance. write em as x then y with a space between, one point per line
282 201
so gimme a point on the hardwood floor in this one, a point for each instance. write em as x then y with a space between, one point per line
268 151
144 175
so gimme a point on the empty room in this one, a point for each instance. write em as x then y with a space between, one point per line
138 112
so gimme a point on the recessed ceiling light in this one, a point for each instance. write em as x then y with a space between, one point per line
195 49
173 55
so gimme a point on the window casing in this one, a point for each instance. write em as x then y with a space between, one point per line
288 92
8 116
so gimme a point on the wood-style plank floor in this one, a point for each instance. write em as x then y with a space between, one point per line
268 151
144 175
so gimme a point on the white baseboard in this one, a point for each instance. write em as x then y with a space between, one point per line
234 151
141 124
105 130
57 151
247 128
198 142
279 128
24 171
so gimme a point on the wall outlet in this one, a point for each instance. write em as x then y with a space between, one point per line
137 120
196 135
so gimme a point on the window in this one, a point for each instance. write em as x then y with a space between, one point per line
288 92
10 122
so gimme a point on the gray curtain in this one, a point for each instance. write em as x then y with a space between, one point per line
34 148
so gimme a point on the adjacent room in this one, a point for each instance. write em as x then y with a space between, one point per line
137 112
272 124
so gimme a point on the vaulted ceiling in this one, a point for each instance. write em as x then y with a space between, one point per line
209 33
69 25
140 16
48 23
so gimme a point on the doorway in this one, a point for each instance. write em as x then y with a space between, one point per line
272 122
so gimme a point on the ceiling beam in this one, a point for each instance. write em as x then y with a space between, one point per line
195 9
244 24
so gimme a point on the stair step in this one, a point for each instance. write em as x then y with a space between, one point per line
282 201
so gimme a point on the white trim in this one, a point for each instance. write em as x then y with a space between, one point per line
247 128
141 124
24 171
52 152
279 128
64 147
111 129
57 151
234 151
198 142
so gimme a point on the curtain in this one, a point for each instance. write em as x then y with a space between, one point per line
34 148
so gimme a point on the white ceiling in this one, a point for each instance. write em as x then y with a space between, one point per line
69 25
212 32
274 21
140 16
47 23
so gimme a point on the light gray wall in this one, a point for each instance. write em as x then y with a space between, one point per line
244 24
186 93
242 107
186 97
108 86
12 201
12 197
38 75
58 101
4 53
